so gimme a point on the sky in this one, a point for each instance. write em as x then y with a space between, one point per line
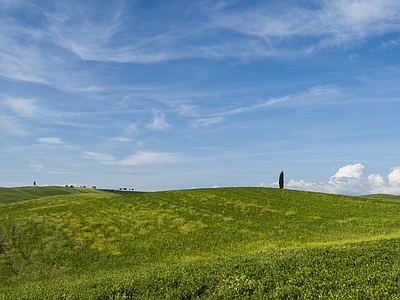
157 95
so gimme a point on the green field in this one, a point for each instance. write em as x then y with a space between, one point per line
12 195
226 243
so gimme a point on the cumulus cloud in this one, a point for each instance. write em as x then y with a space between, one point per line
380 186
347 179
350 179
348 172
302 185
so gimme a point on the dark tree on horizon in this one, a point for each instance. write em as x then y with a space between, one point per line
281 180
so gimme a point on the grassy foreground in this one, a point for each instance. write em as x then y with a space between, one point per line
231 243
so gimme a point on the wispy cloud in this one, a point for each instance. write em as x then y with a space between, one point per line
120 139
150 157
338 23
205 122
158 123
317 95
101 157
36 166
131 129
391 43
85 32
138 158
260 30
50 141
30 53
22 106
9 126
20 61
74 31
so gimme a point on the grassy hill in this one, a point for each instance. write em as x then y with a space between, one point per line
12 195
228 243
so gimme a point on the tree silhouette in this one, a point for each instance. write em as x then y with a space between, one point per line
281 180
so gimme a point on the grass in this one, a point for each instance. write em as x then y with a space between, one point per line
12 195
228 243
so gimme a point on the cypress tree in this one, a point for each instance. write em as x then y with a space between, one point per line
281 180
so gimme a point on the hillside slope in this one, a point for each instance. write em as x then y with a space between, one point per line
18 194
90 236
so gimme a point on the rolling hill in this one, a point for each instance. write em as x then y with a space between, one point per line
18 194
226 243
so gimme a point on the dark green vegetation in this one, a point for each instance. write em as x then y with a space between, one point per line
281 180
230 243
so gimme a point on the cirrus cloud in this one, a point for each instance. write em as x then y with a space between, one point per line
22 106
138 158
50 141
158 123
150 157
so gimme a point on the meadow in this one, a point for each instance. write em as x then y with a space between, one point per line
225 243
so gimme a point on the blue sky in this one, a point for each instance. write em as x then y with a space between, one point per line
157 95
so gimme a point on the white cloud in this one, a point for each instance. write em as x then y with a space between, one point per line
336 23
150 157
350 180
394 178
391 43
36 166
376 181
138 158
120 139
19 60
132 128
22 106
302 185
29 51
380 186
205 122
315 95
110 33
186 110
348 172
50 141
158 123
8 125
102 157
